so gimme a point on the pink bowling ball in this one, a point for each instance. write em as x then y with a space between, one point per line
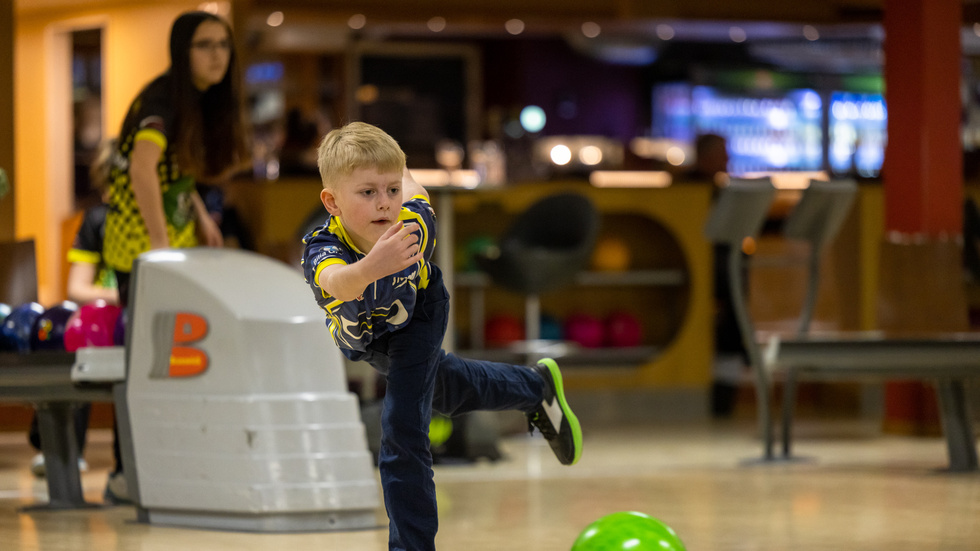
585 330
92 325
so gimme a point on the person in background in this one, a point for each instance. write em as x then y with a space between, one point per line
731 359
89 280
185 127
710 160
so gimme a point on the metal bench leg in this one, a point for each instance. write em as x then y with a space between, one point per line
762 383
957 425
60 449
789 405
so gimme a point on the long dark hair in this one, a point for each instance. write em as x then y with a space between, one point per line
209 130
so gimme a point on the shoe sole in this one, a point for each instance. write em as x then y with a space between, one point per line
573 424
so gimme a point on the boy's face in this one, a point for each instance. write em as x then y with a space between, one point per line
368 202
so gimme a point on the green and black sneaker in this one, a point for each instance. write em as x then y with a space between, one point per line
554 418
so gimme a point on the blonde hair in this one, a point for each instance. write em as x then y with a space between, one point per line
357 145
99 170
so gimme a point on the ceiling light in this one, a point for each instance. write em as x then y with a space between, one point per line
591 29
275 19
437 24
357 21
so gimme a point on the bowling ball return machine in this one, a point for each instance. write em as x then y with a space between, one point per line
231 401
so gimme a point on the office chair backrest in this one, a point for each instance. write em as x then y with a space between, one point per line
821 211
18 273
740 210
563 221
546 246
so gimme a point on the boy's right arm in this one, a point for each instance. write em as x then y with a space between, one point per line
396 250
344 282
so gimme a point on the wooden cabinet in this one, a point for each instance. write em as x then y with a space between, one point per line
667 283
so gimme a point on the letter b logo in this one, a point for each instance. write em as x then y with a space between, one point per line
173 335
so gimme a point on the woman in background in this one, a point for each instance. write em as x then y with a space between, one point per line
184 128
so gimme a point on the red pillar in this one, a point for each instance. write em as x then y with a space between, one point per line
923 167
921 288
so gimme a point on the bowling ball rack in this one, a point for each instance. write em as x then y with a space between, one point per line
44 380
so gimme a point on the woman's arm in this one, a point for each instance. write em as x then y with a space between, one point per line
146 190
81 288
207 229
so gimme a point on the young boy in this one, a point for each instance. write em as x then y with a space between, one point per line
386 304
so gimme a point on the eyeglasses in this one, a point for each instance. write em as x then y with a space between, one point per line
212 45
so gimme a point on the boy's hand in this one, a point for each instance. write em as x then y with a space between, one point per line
396 250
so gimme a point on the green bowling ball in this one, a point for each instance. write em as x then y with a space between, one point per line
628 531
440 429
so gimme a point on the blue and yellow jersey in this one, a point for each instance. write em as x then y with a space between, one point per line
388 303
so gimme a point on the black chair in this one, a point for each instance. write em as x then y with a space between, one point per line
18 273
544 250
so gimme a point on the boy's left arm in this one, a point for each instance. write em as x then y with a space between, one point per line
411 188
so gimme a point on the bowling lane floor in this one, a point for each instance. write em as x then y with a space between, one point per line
857 490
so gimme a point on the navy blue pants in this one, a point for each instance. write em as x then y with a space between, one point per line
421 377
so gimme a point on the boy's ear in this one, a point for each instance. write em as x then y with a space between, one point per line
329 202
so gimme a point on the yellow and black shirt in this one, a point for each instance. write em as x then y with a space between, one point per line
387 304
150 117
88 244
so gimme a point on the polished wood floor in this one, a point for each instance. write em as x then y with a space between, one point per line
859 491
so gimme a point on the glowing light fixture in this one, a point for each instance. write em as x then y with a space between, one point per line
561 154
275 19
591 29
533 118
675 156
590 155
437 24
357 21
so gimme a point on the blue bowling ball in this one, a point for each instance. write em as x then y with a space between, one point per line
119 332
16 329
550 328
4 311
48 332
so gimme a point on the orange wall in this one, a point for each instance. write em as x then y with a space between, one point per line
135 38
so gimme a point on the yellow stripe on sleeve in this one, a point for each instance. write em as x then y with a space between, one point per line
321 266
412 216
152 135
83 256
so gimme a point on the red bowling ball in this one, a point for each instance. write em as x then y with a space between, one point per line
503 329
623 330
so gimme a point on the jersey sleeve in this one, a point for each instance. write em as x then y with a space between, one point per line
154 115
322 250
87 246
418 210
